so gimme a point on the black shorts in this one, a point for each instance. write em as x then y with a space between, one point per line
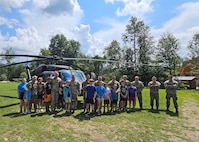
40 95
114 102
123 99
89 101
60 97
21 95
106 101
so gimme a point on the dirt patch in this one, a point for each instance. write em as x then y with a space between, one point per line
190 115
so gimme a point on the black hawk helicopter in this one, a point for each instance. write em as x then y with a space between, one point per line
46 70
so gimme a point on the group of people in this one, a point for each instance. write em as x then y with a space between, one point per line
54 94
113 95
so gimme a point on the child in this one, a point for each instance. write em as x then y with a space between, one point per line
90 95
40 93
47 95
107 97
123 95
100 96
27 98
132 95
114 98
60 98
67 96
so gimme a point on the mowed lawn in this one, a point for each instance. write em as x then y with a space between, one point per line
145 125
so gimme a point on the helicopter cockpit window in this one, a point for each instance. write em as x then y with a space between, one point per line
66 76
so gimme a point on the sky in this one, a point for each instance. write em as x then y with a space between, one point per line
26 26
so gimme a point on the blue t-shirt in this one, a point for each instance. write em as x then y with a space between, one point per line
90 91
27 95
67 92
100 90
114 95
132 91
22 86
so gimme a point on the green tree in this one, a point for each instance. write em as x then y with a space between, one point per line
8 58
23 75
60 46
167 52
3 77
139 43
112 52
44 52
194 46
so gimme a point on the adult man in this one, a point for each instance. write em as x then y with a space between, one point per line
139 86
124 78
55 91
99 79
34 97
84 84
154 86
171 87
113 81
21 90
75 88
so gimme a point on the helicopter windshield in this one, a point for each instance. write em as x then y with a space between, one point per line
66 75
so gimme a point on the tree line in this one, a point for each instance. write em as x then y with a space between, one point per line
140 55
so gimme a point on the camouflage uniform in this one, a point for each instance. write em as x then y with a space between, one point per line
127 82
84 84
171 87
97 83
154 94
111 83
34 97
55 92
139 86
75 88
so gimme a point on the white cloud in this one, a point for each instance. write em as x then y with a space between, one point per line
7 4
183 26
137 8
27 41
10 23
57 7
90 45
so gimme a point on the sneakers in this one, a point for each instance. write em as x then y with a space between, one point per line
98 113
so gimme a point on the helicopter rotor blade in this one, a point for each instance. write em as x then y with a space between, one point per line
55 57
35 60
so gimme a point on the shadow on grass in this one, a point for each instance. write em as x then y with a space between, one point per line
171 113
13 114
11 97
5 106
82 116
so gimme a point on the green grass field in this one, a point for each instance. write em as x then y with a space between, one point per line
145 125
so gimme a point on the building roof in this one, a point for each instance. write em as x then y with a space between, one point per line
185 78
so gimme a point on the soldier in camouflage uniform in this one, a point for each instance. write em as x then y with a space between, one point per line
139 86
40 93
75 88
171 87
154 86
55 91
99 79
84 84
34 90
124 78
113 81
